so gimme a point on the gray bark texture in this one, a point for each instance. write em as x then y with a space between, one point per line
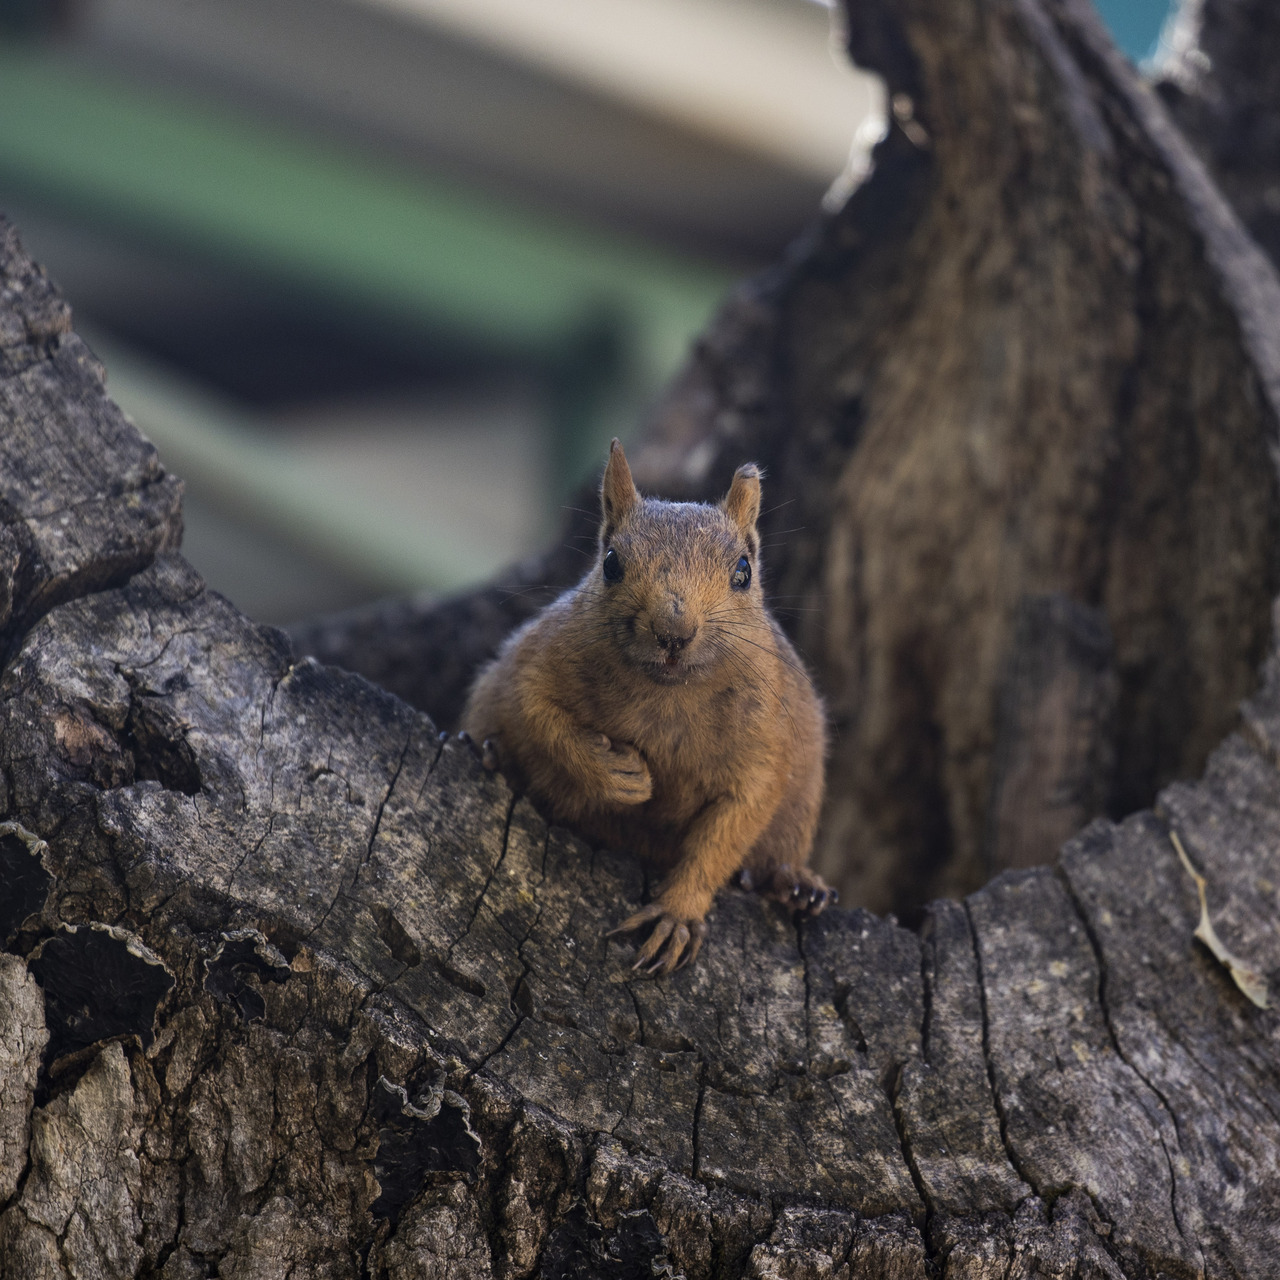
292 987
1220 83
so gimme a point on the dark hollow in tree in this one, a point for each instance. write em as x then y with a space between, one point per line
383 1034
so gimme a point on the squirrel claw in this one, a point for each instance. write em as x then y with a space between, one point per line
671 945
799 889
649 957
486 752
819 901
644 916
698 935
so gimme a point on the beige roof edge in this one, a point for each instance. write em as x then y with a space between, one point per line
765 75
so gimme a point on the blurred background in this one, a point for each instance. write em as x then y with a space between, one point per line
381 278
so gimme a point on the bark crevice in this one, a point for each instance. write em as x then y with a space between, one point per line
1101 962
989 1063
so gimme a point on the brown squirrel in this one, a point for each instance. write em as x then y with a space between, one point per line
658 707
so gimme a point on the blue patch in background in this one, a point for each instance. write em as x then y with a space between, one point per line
1135 24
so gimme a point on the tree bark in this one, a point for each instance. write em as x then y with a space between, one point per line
1219 81
293 987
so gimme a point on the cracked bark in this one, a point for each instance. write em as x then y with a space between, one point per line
1051 1079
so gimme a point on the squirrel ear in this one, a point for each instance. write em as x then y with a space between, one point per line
617 491
742 503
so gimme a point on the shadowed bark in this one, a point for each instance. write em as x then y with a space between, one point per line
1219 81
297 988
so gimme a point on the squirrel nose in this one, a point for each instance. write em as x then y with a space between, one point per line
673 628
674 633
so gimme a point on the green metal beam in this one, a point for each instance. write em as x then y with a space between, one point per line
328 218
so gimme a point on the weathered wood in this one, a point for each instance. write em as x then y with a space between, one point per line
1220 85
84 501
1058 1041
1055 731
22 1041
330 1000
427 652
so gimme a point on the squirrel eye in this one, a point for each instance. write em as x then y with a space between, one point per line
612 566
740 578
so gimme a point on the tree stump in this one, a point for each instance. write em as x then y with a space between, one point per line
293 987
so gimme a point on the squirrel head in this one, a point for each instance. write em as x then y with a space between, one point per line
678 582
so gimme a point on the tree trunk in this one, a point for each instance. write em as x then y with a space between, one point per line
293 987
1219 81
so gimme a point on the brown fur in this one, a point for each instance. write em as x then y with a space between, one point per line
666 712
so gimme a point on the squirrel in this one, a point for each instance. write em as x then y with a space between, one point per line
658 707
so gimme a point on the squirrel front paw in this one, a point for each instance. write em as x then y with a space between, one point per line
626 777
674 942
799 889
486 752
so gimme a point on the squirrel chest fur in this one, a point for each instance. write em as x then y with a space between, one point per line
658 707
